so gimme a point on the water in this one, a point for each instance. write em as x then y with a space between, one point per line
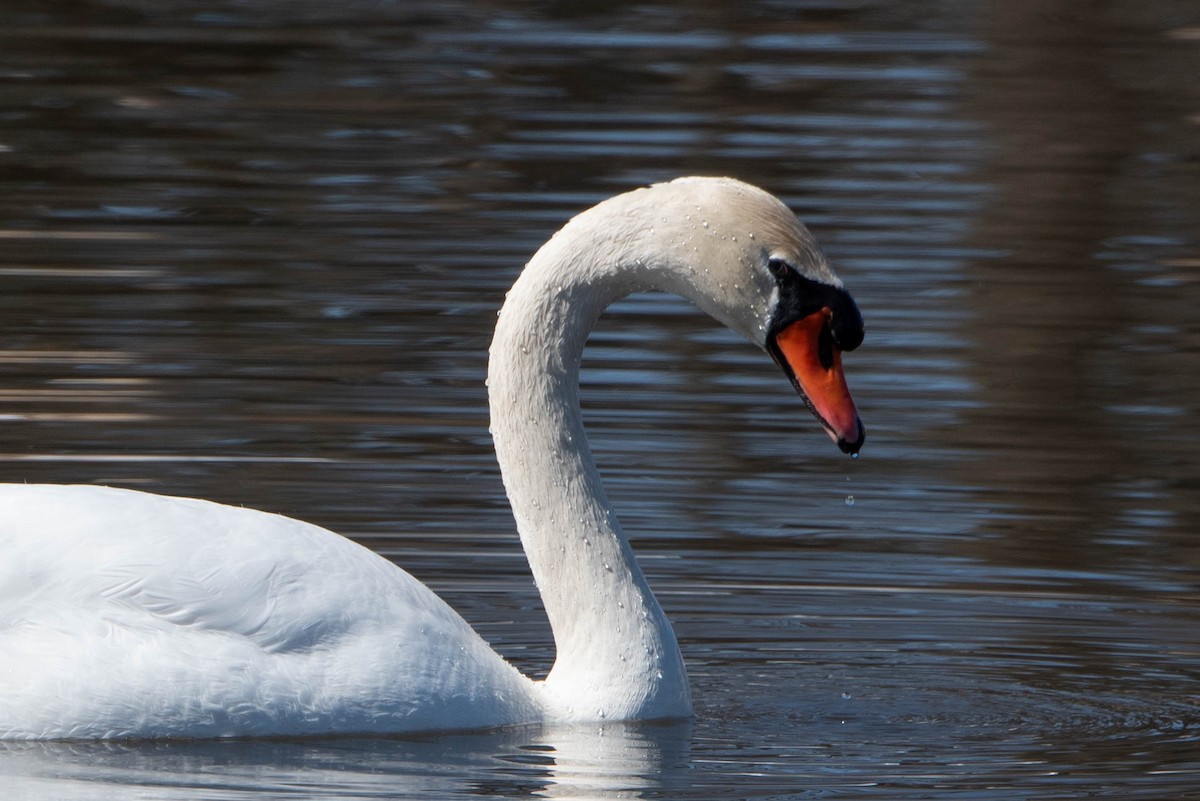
253 252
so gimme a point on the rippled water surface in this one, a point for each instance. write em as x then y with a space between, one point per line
253 252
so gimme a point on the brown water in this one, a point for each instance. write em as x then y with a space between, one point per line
253 252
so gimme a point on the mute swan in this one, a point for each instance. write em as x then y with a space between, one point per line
126 614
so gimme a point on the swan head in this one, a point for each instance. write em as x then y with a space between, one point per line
734 250
740 254
811 324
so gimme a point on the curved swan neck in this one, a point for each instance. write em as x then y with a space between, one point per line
708 239
616 654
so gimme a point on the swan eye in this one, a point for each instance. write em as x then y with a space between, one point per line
800 296
780 268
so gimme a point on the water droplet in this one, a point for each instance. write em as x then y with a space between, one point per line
849 500
854 455
846 696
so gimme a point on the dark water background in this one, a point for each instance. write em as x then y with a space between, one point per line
253 252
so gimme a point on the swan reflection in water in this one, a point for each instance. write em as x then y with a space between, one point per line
578 761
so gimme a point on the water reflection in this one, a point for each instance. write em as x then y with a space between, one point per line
589 762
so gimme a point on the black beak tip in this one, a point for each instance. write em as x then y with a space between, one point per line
853 446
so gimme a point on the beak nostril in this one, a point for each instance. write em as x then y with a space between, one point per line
826 341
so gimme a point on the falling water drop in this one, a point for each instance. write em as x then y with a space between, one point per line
849 500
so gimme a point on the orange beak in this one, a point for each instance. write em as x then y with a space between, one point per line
807 353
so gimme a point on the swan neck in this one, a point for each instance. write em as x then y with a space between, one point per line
617 657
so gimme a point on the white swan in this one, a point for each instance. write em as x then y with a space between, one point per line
125 614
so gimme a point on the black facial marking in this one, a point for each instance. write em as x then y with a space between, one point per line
800 297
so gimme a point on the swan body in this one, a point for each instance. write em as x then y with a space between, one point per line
126 614
131 615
